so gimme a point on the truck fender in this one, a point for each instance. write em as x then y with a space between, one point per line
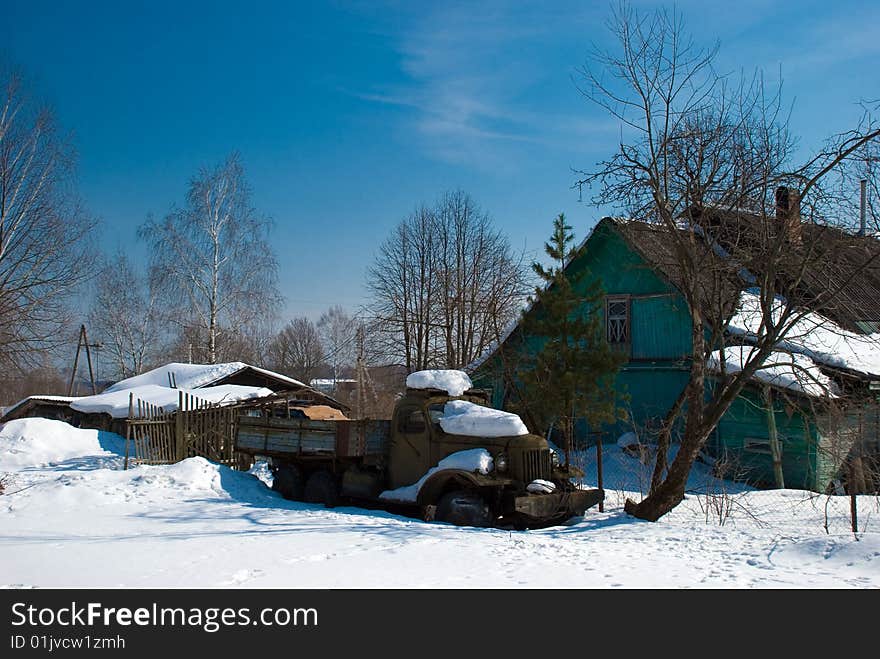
448 479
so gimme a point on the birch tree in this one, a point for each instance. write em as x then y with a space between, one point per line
337 331
44 230
212 259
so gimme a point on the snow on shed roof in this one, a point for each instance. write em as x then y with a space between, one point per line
7 412
195 376
115 403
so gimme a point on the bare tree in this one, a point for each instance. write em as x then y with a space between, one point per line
213 260
296 350
124 317
337 330
403 285
443 283
481 280
704 165
44 231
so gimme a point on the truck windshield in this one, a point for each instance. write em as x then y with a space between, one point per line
435 411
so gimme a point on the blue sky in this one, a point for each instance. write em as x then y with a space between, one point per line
348 115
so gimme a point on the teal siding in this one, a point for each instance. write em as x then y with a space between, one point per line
660 328
745 423
621 270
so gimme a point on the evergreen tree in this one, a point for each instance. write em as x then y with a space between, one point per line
570 373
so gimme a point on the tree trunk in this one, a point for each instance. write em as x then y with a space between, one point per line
661 462
775 449
670 492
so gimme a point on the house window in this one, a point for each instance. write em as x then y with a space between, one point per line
617 320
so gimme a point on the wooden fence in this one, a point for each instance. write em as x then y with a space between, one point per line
196 428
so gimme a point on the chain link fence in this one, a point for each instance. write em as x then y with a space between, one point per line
723 501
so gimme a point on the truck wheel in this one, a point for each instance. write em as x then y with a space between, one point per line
288 482
321 488
464 508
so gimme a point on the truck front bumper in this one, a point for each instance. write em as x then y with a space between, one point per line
556 505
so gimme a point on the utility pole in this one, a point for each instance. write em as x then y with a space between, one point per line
362 373
359 373
83 341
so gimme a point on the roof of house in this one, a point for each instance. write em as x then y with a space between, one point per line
825 268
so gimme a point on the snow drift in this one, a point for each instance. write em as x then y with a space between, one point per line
36 442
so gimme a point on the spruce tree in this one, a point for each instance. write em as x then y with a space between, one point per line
567 370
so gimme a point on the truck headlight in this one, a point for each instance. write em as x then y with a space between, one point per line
501 462
554 458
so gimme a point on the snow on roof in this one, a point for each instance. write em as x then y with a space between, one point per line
455 383
115 403
474 459
813 336
193 376
38 397
781 369
461 417
317 382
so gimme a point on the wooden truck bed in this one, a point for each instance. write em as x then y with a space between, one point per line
284 437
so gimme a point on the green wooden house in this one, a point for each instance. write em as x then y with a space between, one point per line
646 316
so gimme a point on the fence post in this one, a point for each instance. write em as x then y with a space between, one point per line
179 441
599 470
128 428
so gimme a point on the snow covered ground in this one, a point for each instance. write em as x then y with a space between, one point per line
71 517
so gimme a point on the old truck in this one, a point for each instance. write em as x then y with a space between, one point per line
444 455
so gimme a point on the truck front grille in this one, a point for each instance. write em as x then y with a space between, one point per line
536 464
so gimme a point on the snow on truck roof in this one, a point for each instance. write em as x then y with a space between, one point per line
453 382
461 417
